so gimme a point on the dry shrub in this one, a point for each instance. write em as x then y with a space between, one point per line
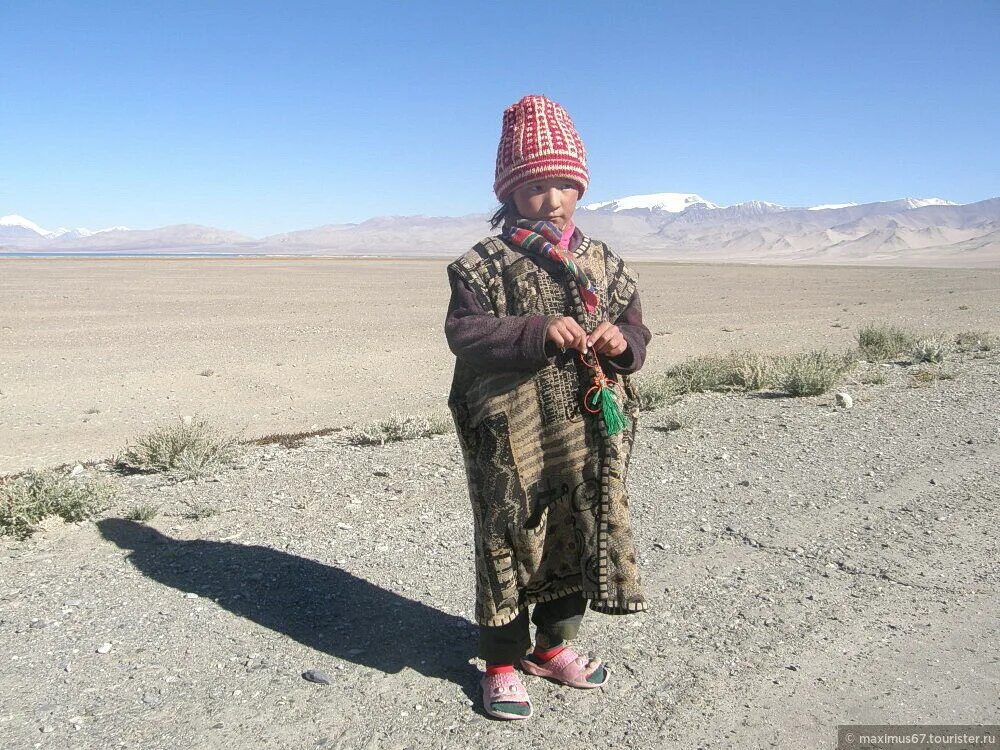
927 375
751 371
931 349
400 427
27 499
880 342
142 512
811 373
705 373
976 341
654 390
189 448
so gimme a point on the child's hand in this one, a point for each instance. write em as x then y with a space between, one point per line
607 339
566 332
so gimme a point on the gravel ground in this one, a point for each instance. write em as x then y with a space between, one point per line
806 565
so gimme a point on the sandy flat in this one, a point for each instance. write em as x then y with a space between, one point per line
97 351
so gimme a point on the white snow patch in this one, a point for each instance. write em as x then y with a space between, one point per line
825 206
671 202
13 220
921 202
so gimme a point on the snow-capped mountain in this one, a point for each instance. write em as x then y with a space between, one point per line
12 224
673 203
680 202
671 226
921 202
13 220
830 206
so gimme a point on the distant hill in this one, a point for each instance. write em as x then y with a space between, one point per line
677 226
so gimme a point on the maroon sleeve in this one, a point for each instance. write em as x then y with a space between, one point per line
637 336
488 342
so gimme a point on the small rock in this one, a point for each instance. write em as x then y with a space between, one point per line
344 526
47 729
77 470
705 527
104 648
941 518
190 595
315 675
844 400
74 602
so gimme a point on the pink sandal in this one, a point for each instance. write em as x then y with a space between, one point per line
505 687
568 668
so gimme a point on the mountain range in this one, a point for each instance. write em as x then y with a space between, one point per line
674 226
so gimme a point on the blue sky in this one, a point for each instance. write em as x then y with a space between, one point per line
266 117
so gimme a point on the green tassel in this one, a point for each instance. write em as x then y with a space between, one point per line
614 420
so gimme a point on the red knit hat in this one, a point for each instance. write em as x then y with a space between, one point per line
538 141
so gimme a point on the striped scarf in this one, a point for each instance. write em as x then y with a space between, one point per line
543 238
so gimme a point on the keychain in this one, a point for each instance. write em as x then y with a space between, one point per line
601 397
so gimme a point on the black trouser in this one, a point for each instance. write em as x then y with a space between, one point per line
556 620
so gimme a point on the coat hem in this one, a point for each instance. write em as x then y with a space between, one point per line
604 606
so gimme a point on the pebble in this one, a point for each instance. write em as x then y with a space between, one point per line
317 676
104 648
190 595
344 526
74 602
844 400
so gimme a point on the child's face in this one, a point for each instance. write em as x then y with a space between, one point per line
549 200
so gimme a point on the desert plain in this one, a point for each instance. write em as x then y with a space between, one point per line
96 351
807 565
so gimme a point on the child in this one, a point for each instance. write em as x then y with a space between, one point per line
546 327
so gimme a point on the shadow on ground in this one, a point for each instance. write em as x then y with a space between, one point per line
320 606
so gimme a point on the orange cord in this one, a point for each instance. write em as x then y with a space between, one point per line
600 380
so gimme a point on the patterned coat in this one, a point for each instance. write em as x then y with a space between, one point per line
547 486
